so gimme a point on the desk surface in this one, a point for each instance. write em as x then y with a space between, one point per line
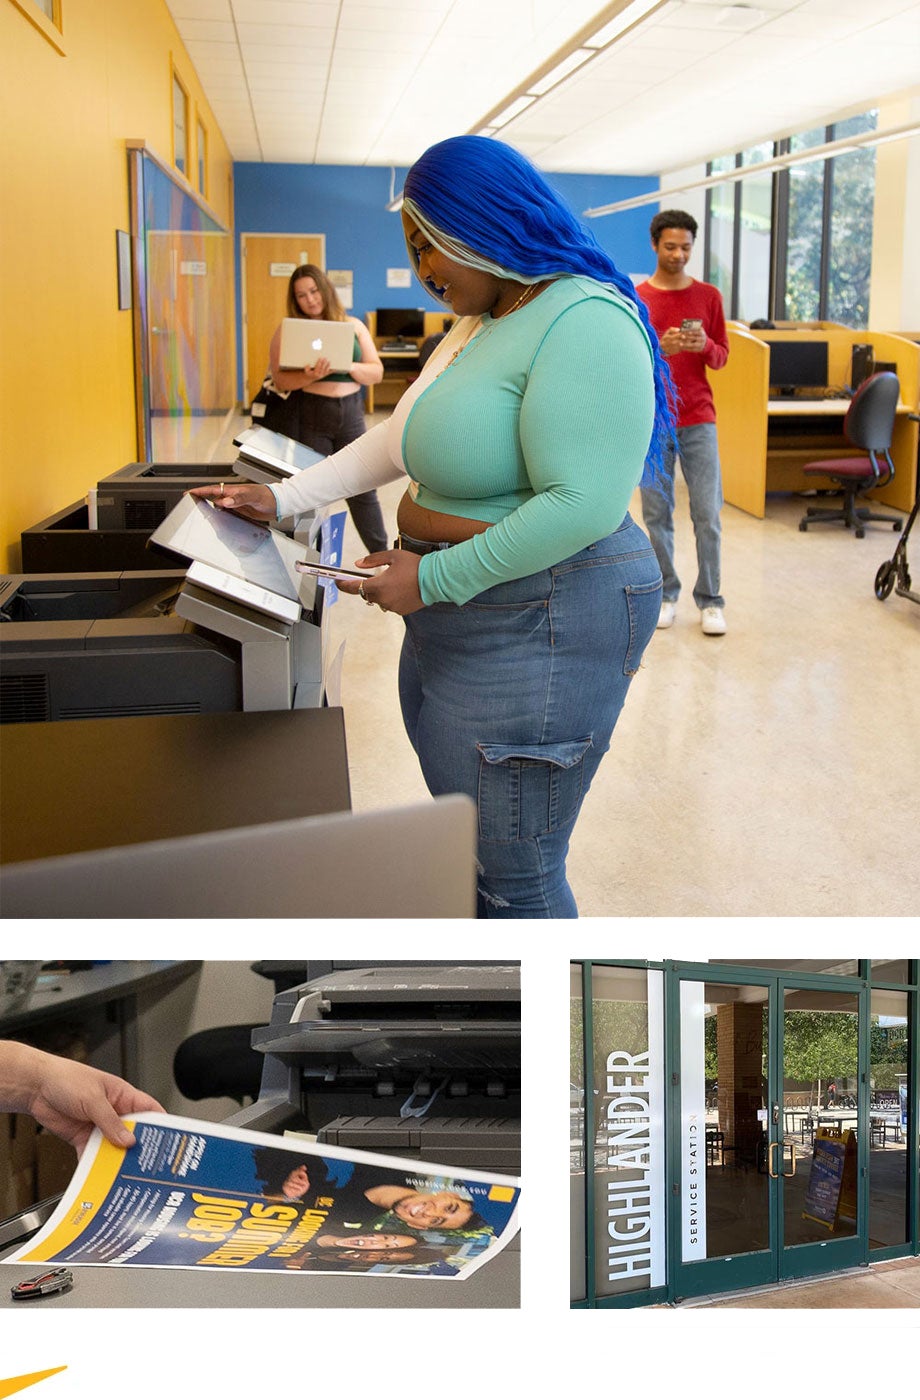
495 1285
94 987
800 408
87 784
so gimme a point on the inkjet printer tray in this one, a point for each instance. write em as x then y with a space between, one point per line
419 1061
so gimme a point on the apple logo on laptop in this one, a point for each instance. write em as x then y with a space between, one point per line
317 344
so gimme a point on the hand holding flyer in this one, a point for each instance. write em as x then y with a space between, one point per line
193 1195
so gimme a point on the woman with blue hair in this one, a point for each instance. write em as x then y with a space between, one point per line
528 592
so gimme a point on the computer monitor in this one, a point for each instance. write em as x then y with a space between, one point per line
400 322
797 364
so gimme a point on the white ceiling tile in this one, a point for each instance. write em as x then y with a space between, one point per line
390 19
398 74
286 14
208 31
217 66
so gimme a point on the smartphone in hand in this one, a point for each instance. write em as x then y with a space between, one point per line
689 326
328 571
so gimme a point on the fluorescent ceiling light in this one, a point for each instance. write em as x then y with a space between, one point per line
561 70
620 23
513 109
590 41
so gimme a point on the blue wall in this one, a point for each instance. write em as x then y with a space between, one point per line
348 204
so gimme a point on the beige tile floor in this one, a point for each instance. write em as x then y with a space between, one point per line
773 771
895 1284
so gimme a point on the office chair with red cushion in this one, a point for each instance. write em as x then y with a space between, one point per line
869 424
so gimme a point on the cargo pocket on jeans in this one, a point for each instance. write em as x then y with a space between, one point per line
529 789
643 603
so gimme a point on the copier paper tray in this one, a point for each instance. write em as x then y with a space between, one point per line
448 1019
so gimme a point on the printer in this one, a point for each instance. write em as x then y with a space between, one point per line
239 628
419 1060
110 528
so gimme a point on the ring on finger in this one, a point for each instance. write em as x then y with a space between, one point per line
362 592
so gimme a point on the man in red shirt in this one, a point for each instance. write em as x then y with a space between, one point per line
688 318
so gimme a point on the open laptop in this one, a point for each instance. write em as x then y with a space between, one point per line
303 342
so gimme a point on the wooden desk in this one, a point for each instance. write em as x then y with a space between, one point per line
759 450
400 367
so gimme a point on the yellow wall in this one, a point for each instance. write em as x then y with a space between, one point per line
67 414
895 300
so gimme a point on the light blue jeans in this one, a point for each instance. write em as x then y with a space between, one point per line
698 449
512 699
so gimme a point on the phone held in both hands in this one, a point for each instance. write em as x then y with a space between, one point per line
689 326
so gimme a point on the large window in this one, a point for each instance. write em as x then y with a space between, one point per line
795 244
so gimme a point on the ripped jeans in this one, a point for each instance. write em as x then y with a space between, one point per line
512 699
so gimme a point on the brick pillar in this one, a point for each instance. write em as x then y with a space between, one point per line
740 1041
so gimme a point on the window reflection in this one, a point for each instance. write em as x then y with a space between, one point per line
723 1069
835 967
890 970
820 1100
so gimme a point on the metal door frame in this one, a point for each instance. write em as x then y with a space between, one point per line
779 1261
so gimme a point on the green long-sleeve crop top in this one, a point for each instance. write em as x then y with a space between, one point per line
539 425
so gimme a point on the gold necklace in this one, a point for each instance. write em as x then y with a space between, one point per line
525 296
527 292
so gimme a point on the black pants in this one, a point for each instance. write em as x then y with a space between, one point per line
327 425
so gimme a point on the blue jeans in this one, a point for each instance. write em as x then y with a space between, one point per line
699 459
512 699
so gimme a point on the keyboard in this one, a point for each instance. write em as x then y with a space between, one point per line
813 392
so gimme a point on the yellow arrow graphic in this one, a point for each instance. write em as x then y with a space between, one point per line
14 1383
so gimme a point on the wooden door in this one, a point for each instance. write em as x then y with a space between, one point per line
267 261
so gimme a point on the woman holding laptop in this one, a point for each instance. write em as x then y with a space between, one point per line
528 592
326 408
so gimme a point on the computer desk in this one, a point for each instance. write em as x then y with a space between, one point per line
120 1007
759 449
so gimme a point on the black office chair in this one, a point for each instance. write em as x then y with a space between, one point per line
220 1062
869 424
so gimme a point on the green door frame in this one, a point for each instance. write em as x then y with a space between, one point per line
799 1263
778 1262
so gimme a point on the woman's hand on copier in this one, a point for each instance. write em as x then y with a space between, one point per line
245 497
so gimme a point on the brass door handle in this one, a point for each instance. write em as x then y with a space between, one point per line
770 1149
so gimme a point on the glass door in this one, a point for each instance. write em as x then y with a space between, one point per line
765 1114
815 1156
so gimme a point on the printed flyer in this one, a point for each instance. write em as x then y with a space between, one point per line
192 1195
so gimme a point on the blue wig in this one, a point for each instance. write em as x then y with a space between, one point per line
487 198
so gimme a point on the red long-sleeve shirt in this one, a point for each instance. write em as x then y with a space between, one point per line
703 302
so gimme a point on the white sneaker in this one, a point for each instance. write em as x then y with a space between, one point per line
666 616
713 622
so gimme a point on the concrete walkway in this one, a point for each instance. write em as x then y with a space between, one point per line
893 1284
